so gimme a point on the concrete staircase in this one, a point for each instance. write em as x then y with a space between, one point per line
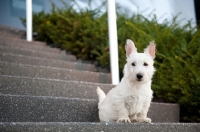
44 89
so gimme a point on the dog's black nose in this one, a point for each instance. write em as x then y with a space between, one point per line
139 76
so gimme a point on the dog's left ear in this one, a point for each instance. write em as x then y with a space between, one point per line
130 47
151 49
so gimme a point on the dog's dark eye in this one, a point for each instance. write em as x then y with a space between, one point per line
133 64
145 64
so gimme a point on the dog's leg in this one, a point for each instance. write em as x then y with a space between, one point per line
104 116
142 117
121 112
123 118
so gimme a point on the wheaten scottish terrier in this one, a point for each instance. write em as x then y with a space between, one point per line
130 100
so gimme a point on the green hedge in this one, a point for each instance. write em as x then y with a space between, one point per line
84 33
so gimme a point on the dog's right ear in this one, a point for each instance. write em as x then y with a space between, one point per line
130 47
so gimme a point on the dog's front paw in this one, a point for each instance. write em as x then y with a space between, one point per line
123 120
144 120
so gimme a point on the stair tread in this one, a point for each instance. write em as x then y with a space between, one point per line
97 127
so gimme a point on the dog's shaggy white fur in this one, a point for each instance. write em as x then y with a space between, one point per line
130 100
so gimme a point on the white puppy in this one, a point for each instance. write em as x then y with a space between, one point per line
130 100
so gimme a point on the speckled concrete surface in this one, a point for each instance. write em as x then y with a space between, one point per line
30 45
35 53
21 59
52 73
164 112
50 87
18 108
98 127
48 109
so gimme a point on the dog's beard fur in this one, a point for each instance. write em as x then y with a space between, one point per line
130 100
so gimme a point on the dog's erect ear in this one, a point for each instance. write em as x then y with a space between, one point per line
130 47
151 49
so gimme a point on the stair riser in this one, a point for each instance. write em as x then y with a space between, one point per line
34 53
56 88
53 73
46 109
45 62
99 127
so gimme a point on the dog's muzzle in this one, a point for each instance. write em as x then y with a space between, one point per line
139 76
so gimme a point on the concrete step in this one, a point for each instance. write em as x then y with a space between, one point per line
24 108
17 85
18 39
35 53
11 31
26 45
8 35
21 59
14 69
97 127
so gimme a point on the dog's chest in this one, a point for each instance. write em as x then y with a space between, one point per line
135 103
